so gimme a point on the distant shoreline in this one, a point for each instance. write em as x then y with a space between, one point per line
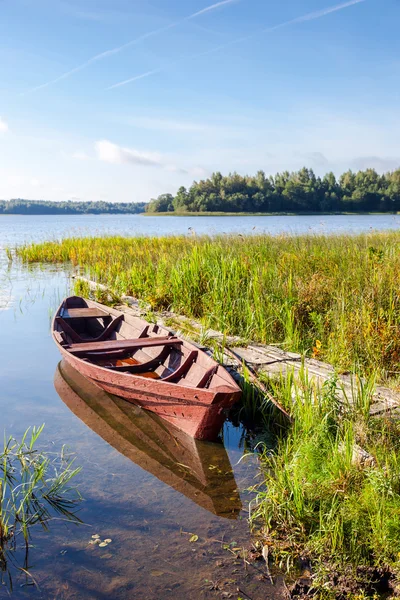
260 214
200 214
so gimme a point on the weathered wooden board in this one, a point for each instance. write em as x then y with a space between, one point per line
83 313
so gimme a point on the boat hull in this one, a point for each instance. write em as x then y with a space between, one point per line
199 413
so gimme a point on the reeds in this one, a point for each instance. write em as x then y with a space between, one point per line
34 490
334 297
331 486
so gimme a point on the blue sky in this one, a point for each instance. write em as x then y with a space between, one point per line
121 100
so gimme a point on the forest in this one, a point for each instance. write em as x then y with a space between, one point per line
42 207
297 192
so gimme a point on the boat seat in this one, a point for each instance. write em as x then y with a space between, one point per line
88 347
79 339
145 367
84 313
184 368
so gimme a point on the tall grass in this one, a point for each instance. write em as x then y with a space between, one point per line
334 297
322 497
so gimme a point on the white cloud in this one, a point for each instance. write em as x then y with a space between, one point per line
35 182
3 126
108 152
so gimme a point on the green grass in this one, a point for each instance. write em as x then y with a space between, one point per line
318 500
334 297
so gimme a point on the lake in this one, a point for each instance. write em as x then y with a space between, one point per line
145 487
16 229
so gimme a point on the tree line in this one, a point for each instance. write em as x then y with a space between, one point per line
42 207
300 191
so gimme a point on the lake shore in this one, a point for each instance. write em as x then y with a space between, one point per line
259 214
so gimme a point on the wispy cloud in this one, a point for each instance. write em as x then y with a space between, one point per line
109 152
135 78
210 8
318 14
133 42
308 17
3 126
381 164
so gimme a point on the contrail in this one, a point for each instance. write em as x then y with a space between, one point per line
132 79
137 40
317 14
100 56
308 17
209 8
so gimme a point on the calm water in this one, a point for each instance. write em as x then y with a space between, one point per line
147 489
144 486
18 229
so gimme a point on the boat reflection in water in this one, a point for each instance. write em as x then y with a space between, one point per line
199 470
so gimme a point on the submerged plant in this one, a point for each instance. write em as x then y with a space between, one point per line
34 490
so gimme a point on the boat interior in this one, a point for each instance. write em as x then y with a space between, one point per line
127 344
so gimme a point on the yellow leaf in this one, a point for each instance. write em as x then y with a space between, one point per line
194 538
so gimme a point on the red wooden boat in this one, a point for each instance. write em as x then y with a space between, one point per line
146 365
199 470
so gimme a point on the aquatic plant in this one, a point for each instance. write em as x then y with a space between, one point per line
334 297
34 490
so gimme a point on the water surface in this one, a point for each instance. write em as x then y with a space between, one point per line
147 489
20 228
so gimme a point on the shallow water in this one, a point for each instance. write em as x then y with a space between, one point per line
144 486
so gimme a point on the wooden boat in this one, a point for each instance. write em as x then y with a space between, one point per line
199 470
145 364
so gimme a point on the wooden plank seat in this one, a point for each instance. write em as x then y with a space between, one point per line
84 313
184 368
88 347
77 338
145 367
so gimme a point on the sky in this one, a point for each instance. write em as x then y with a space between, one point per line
122 100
